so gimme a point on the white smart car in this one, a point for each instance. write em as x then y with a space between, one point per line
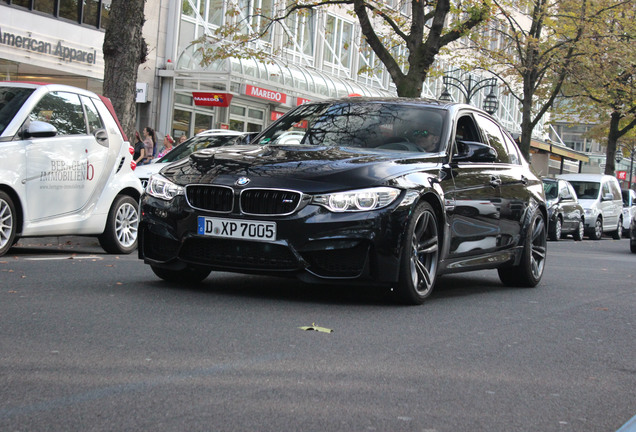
65 167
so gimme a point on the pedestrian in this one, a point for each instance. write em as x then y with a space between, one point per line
150 143
140 149
182 138
168 144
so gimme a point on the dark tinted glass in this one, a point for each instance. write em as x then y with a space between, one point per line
384 126
46 6
90 12
11 100
69 10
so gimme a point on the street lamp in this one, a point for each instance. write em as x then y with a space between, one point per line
619 157
469 88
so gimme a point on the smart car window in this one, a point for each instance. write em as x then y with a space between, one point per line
495 138
94 120
11 100
63 110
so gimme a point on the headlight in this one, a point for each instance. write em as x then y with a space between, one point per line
358 200
160 187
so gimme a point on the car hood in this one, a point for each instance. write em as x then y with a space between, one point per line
588 203
145 171
309 169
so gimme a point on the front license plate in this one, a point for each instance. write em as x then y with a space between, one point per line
237 229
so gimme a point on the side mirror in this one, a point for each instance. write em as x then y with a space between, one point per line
608 197
39 129
102 137
472 151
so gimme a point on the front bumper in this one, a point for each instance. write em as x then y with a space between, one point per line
314 245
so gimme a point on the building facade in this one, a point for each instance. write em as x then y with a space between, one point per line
324 56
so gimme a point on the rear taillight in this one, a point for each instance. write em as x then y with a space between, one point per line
133 165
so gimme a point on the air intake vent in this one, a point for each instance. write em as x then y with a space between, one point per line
269 201
212 198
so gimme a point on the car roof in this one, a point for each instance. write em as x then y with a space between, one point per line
586 177
435 103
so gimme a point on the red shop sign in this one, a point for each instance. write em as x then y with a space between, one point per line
300 101
621 175
212 99
262 93
275 115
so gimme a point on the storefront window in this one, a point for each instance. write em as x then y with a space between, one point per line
69 10
90 15
103 22
202 122
215 14
237 125
181 122
187 8
46 6
25 3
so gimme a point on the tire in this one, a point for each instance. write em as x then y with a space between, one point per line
189 275
580 232
597 231
8 223
530 269
556 229
632 246
618 234
120 234
420 256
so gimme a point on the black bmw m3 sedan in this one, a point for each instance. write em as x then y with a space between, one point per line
380 192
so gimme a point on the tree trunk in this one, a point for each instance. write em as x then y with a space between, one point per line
124 50
612 140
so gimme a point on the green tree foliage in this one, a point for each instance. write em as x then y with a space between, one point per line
405 36
531 46
605 75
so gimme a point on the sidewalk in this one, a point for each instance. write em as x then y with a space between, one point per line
59 243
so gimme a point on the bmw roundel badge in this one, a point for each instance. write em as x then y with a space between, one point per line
242 181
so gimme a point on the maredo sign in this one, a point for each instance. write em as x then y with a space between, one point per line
262 93
212 99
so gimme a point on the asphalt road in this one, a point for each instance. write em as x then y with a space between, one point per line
95 342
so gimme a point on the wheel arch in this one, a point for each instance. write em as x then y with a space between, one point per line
17 204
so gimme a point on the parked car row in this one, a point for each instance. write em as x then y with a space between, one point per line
588 204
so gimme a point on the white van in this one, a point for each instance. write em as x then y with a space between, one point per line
600 196
65 167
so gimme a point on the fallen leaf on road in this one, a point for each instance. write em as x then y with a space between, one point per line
316 328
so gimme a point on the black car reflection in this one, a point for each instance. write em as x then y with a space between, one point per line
388 192
565 214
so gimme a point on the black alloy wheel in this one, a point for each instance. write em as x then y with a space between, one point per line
530 270
420 256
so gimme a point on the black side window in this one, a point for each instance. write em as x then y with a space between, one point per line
495 138
466 129
62 110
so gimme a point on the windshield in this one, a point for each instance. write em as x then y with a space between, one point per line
374 125
586 190
197 143
551 190
11 100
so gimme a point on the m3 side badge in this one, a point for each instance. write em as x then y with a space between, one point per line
242 181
